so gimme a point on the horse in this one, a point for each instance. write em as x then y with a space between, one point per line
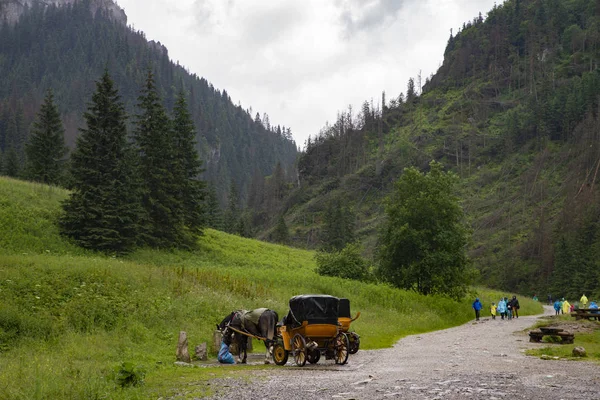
260 322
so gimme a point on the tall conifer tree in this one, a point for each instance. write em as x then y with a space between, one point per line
103 210
188 166
46 147
158 168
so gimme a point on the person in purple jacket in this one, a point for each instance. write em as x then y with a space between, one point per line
477 306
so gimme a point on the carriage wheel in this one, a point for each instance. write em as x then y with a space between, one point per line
341 346
299 349
280 354
313 356
354 340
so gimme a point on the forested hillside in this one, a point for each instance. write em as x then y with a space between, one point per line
514 111
66 49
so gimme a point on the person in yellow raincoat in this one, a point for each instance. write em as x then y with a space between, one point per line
493 310
566 307
583 301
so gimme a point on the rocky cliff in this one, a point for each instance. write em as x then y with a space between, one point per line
11 10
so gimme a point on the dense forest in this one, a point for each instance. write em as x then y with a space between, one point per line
514 111
66 48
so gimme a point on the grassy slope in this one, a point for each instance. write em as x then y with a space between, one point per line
68 317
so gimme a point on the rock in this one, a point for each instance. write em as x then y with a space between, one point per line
579 352
184 364
182 348
201 353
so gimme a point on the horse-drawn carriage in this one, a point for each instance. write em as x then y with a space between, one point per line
314 327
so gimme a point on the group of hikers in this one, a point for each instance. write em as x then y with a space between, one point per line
509 309
562 306
505 308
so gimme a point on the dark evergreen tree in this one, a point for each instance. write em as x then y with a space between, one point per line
281 233
46 148
12 167
338 226
214 213
188 166
158 169
103 212
232 216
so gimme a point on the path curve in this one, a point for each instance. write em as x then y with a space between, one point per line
478 360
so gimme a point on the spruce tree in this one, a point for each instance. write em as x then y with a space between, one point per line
214 213
161 196
188 166
46 147
103 212
281 234
12 167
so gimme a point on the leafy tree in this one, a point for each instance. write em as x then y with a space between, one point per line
188 166
46 147
281 233
347 263
422 245
158 168
103 212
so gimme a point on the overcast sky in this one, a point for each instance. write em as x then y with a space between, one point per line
301 61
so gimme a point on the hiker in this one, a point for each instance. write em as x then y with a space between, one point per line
566 306
594 307
583 301
549 299
557 307
515 306
508 308
535 298
477 306
501 308
493 310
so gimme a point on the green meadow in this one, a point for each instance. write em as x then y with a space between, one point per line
70 319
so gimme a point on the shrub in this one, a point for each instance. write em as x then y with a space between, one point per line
347 263
128 374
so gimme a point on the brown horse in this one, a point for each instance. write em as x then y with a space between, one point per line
260 322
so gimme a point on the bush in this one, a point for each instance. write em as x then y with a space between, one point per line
128 374
347 263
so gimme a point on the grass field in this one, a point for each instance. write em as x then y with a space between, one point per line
69 317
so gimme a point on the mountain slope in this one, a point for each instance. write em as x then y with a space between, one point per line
66 48
514 112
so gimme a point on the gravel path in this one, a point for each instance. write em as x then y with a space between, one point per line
478 360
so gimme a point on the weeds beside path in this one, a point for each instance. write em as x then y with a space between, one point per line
478 360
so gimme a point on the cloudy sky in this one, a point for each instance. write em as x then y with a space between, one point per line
301 61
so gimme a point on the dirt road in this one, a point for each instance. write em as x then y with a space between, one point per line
482 360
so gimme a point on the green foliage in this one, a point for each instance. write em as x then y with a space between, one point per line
46 148
347 263
103 213
423 241
129 374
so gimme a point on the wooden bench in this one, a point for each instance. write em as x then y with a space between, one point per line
537 336
586 313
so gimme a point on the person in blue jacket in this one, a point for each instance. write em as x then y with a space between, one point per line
502 308
477 306
557 307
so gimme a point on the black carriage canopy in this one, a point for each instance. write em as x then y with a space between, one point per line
316 309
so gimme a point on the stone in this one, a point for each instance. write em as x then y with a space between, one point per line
201 352
579 352
182 353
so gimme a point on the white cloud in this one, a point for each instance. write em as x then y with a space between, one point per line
302 61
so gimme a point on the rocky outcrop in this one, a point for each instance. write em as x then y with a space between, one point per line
11 10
